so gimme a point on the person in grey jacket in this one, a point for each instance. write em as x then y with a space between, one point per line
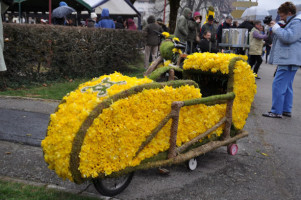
152 39
181 31
286 54
193 36
3 7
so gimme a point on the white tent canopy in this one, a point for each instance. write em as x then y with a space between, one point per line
92 3
116 7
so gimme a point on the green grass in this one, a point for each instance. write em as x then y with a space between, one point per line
136 69
57 90
19 191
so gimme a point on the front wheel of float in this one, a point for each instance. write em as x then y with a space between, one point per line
192 164
112 186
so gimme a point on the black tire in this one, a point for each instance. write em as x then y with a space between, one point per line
112 186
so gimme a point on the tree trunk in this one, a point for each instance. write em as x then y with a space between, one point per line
174 7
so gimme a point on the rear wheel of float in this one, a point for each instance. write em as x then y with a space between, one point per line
112 186
232 149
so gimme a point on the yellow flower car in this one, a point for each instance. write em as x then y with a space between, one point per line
109 125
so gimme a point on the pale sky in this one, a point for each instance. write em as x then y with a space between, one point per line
274 4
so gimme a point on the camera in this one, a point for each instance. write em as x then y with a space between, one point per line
267 20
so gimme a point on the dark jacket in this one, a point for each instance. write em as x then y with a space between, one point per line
119 23
220 31
246 24
105 21
164 27
181 31
207 46
90 23
193 30
269 39
59 21
152 38
211 28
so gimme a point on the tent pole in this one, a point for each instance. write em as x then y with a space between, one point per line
139 23
49 20
20 14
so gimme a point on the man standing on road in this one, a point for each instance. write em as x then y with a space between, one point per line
286 54
256 44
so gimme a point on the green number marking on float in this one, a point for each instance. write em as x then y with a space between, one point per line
102 87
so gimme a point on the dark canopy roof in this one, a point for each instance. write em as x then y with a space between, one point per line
43 5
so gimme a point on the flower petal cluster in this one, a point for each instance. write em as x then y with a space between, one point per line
165 64
166 34
244 80
175 50
65 123
116 135
210 62
176 39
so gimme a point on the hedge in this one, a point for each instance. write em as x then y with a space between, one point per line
35 53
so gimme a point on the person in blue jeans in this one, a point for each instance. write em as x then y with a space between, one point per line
286 54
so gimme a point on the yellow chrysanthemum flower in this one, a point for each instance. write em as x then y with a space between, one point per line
166 63
175 50
166 34
176 39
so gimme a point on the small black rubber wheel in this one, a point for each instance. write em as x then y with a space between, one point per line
112 186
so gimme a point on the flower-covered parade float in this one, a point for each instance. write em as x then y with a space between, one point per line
114 125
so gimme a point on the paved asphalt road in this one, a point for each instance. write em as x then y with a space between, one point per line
267 166
24 127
